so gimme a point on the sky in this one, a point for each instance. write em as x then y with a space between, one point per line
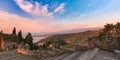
57 15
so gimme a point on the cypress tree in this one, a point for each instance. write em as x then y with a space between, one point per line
20 36
14 31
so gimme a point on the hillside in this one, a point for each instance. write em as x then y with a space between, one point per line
72 38
108 39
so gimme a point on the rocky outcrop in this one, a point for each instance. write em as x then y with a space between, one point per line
108 43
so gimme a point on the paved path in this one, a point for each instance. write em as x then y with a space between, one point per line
13 55
93 54
61 57
72 56
104 55
77 55
67 56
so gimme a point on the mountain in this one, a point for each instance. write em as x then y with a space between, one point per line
72 38
77 30
63 32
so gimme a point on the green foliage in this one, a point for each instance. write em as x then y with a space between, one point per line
61 40
1 32
108 27
110 30
20 37
44 46
14 31
118 29
101 36
29 40
57 41
35 47
68 46
10 37
109 38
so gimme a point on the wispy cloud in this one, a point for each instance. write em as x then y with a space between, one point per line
35 9
108 13
81 16
60 8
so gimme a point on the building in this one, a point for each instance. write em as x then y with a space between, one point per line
7 45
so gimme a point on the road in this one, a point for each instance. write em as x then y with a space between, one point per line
93 54
13 55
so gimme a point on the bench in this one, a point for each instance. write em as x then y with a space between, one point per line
117 54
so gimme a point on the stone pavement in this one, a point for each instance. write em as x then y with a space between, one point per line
92 54
104 55
13 55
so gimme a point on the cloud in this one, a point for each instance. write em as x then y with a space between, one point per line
81 16
109 13
8 21
99 19
34 9
60 8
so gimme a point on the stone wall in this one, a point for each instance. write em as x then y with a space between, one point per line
2 47
7 45
10 45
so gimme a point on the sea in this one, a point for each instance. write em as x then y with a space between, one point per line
36 39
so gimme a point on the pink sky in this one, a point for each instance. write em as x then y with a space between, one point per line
53 16
8 21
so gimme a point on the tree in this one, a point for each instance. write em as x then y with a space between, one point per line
44 46
118 33
20 36
1 32
59 42
14 31
108 27
29 40
118 29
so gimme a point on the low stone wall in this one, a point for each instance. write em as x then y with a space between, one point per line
22 51
27 51
89 54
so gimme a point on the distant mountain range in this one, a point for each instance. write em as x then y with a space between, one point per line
77 30
63 32
73 37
